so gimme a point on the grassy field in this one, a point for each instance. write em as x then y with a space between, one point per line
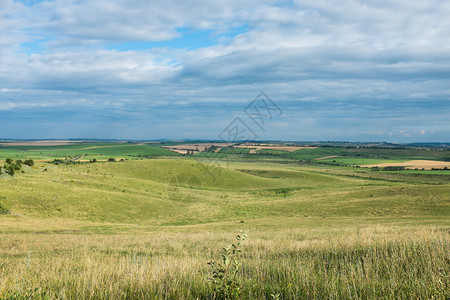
147 228
360 156
86 150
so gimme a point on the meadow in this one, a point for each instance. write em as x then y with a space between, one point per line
87 151
146 227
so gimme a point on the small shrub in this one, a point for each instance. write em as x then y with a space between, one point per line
10 169
9 160
29 162
3 209
17 165
225 273
394 168
57 162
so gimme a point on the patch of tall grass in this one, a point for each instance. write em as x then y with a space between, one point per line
374 262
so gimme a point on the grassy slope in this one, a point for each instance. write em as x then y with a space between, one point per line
146 229
183 191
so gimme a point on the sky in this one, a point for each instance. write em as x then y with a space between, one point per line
348 70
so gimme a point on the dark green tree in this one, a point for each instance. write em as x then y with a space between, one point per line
29 162
10 169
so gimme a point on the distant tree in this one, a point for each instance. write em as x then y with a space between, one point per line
111 159
17 165
94 160
29 162
394 168
57 162
10 169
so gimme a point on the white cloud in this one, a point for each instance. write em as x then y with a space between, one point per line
13 24
364 54
84 21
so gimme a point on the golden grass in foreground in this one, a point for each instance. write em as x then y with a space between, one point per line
386 262
413 164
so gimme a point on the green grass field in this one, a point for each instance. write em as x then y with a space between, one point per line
86 150
147 228
359 156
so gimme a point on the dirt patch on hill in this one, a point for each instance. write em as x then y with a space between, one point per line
332 156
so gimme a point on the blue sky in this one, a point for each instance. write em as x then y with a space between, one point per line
130 69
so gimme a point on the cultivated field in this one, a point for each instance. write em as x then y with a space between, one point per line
416 164
195 147
146 227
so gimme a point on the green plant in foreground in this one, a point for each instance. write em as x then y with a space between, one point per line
225 273
3 209
24 294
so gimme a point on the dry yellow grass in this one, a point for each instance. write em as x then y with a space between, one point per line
313 263
413 164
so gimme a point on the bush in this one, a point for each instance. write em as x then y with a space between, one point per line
3 209
394 168
17 165
9 160
224 274
10 169
29 162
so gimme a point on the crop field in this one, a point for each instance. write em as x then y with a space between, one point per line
417 164
146 227
101 151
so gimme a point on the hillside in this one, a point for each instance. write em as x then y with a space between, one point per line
184 191
147 228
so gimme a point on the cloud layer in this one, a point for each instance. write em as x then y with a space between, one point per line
360 70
